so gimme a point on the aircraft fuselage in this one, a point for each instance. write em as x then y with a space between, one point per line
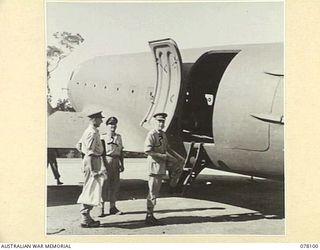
228 98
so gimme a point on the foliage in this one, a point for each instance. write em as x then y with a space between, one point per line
64 105
66 42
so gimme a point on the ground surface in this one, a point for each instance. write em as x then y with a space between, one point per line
217 203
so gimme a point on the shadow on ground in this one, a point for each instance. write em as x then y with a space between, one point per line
69 194
264 196
178 220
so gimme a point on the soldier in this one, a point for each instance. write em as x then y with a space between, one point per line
91 146
160 158
113 162
52 161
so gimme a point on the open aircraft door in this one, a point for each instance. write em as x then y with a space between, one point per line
167 89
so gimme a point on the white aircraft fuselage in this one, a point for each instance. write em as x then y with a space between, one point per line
228 98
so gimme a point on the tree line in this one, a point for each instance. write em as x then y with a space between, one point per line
66 43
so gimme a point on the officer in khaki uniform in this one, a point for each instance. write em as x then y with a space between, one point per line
90 145
113 162
160 158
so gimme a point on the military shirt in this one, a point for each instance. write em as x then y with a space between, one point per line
90 142
113 144
156 142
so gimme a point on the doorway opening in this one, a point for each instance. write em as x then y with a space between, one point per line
201 88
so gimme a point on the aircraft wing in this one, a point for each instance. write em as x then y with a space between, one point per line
65 129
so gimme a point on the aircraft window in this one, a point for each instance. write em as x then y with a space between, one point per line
117 89
148 94
132 91
94 85
85 84
151 97
105 87
78 83
209 98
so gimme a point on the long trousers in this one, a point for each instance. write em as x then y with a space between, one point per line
94 163
155 181
154 184
54 168
111 186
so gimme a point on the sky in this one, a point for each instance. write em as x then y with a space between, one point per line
118 28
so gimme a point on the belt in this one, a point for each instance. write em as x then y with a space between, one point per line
113 156
95 155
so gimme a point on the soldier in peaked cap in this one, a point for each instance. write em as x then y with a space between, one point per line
91 146
96 115
113 162
160 158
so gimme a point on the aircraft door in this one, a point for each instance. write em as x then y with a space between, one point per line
168 81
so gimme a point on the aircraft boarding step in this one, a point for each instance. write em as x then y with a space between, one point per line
193 165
